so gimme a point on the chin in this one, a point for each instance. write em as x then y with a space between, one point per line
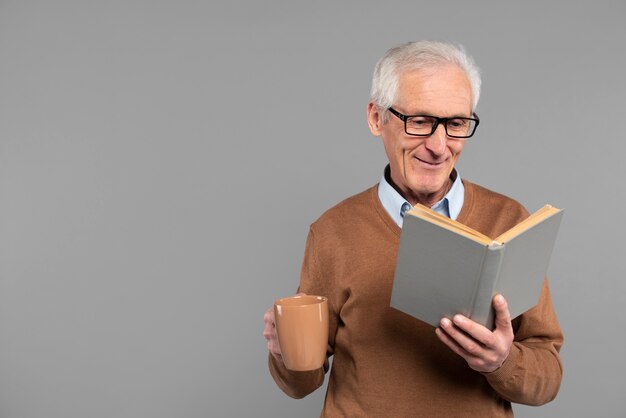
427 185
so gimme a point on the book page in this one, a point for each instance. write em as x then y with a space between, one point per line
526 224
430 215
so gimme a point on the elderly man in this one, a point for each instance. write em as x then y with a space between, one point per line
387 363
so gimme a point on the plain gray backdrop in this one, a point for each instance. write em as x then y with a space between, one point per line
160 163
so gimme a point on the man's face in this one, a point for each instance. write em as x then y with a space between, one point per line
421 166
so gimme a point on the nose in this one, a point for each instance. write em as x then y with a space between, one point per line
436 143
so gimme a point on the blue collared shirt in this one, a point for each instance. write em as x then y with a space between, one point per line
449 206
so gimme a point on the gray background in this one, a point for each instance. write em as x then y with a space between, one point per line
160 163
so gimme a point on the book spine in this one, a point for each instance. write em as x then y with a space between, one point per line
482 310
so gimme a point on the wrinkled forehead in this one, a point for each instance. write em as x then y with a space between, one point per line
445 90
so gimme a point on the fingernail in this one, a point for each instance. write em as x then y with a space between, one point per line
458 319
445 322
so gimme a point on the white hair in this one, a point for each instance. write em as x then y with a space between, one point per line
416 56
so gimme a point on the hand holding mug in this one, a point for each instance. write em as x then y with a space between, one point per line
297 332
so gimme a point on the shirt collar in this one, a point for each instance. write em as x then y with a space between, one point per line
449 206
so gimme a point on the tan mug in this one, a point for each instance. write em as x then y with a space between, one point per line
302 329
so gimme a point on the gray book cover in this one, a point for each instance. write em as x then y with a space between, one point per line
440 273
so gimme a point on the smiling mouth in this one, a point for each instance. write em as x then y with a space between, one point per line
430 164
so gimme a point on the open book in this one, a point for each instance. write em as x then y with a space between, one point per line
444 267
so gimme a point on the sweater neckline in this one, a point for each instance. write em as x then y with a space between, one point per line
466 209
384 216
468 202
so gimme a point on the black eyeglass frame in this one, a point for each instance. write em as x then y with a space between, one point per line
438 120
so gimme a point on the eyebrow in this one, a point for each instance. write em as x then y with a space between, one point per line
446 117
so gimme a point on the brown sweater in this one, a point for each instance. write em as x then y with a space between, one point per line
389 364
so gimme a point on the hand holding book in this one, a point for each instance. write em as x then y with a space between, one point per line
482 349
446 268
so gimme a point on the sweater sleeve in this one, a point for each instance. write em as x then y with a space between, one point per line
532 372
298 384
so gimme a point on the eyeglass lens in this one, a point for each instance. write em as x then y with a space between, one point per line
426 125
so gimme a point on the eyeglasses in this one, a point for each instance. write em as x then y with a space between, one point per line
425 125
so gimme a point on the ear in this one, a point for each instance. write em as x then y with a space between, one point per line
374 119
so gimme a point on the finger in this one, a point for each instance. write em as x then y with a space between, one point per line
475 330
274 348
462 338
503 315
445 338
273 345
452 344
269 315
269 331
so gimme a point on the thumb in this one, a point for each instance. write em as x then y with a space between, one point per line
503 316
